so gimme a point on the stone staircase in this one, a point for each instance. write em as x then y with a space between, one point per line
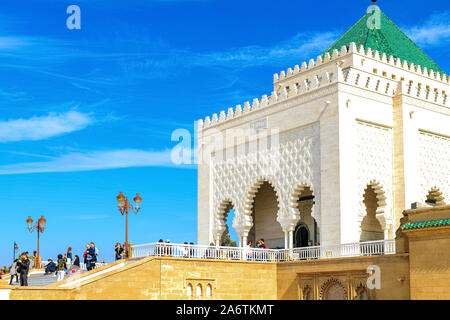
40 279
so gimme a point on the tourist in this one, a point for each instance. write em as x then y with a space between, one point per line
118 251
75 267
263 245
185 250
125 250
33 260
191 250
2 271
159 250
168 248
61 266
96 251
87 257
50 267
76 262
211 251
13 272
207 253
248 251
23 269
93 252
66 262
69 257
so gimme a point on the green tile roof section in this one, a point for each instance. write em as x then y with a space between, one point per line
388 39
426 224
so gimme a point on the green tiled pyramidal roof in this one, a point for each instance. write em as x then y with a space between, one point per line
388 39
426 224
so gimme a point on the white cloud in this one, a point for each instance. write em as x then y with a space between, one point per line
39 128
435 31
295 49
12 43
96 160
301 46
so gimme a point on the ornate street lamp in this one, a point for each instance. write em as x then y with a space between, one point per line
39 226
124 205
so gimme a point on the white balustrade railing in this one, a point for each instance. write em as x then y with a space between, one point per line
269 255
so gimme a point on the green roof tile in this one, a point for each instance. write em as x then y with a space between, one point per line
426 224
388 39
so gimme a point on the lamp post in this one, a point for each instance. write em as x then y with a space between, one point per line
39 226
124 206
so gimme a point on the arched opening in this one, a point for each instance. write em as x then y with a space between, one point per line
301 236
307 294
334 291
371 228
306 232
264 213
229 237
199 290
435 198
189 290
208 290
361 293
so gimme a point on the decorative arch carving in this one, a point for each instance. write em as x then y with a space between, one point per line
307 292
361 293
380 194
250 197
223 208
238 176
380 210
295 195
329 284
374 163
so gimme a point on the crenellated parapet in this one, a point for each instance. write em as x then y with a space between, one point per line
365 52
313 83
422 92
360 67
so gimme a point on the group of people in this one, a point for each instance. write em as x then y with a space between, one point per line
260 244
120 251
65 264
20 269
68 265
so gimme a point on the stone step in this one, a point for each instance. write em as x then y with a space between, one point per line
41 279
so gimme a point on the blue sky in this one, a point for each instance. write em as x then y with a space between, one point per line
88 113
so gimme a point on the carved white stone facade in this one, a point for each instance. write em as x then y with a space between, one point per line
345 121
374 168
289 166
434 165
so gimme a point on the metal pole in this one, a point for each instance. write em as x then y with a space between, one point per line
126 228
36 261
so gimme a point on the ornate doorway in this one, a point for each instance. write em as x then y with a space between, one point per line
301 236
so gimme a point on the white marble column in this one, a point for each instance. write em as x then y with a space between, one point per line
291 239
242 224
244 240
286 239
